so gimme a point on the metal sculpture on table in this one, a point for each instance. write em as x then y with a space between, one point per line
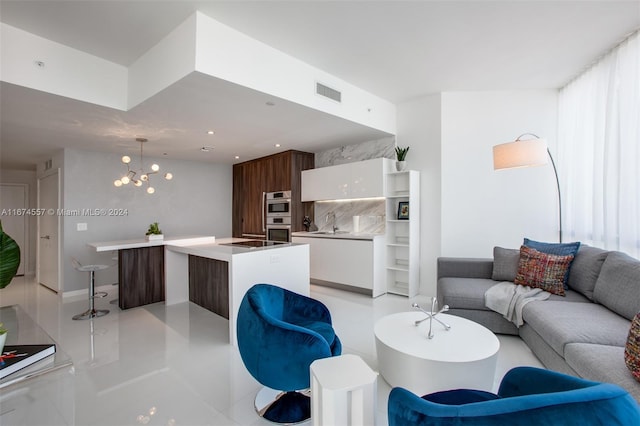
432 316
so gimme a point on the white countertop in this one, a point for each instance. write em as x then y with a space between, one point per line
142 242
338 235
220 251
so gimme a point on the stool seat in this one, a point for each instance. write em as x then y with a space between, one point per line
91 269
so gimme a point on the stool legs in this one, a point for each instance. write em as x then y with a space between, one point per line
92 312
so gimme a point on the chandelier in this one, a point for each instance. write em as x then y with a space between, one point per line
140 177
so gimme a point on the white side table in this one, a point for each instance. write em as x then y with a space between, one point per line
343 391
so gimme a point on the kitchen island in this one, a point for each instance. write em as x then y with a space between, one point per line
141 276
199 271
214 273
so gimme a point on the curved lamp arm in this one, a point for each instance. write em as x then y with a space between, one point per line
501 154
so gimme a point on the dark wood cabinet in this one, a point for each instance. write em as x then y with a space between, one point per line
140 276
251 179
209 284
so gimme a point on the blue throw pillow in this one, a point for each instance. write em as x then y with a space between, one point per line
559 249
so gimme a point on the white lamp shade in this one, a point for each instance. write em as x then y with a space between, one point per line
521 153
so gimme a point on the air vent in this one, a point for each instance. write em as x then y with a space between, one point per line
48 164
328 92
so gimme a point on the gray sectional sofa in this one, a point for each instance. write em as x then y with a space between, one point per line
583 333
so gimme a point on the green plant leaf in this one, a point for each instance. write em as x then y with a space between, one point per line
9 258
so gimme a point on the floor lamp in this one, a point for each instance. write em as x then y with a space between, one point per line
527 153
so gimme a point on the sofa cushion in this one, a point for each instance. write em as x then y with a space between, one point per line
632 349
559 249
464 293
601 363
570 296
585 269
505 264
542 270
560 323
618 286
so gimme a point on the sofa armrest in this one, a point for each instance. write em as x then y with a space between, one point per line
458 267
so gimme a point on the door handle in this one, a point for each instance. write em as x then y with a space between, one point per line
262 212
46 237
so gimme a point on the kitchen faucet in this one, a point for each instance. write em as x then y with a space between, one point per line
331 216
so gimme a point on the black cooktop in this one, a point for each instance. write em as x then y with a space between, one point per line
254 243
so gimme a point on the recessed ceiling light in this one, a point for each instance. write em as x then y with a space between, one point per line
210 132
270 103
206 148
277 145
237 157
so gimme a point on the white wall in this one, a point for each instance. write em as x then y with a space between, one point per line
28 178
196 202
67 72
482 208
419 127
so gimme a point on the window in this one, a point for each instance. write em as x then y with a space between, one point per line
599 151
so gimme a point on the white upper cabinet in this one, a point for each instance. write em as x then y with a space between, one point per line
362 179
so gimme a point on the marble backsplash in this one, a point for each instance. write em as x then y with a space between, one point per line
371 213
362 151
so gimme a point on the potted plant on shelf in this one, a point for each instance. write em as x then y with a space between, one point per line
154 232
9 258
401 155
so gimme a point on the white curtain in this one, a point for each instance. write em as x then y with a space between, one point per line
599 152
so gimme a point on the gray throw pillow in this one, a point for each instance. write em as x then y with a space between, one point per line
505 264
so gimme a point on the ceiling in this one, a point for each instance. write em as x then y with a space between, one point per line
395 49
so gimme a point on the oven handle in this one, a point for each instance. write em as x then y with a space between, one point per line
263 213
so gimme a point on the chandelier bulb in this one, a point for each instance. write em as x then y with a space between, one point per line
144 178
137 182
126 159
125 180
117 183
155 167
168 176
150 190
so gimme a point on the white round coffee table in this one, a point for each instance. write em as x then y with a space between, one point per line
462 357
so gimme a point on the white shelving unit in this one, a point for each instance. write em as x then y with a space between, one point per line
403 235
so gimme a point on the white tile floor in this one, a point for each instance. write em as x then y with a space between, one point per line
173 365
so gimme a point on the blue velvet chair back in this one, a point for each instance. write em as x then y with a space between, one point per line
280 333
527 396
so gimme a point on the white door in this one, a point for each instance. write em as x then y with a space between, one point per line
13 205
48 230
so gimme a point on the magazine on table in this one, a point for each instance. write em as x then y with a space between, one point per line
17 357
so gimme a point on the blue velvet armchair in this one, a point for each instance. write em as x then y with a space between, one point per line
280 333
527 396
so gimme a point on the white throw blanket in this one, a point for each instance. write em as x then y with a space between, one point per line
508 299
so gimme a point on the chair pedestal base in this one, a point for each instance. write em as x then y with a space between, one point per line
91 313
279 407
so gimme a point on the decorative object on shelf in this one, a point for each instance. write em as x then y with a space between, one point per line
403 210
401 155
3 337
432 316
9 258
306 222
527 153
154 232
144 177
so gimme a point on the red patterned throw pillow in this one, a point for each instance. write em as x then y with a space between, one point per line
632 349
542 270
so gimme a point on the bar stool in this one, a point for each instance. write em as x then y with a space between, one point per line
91 269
